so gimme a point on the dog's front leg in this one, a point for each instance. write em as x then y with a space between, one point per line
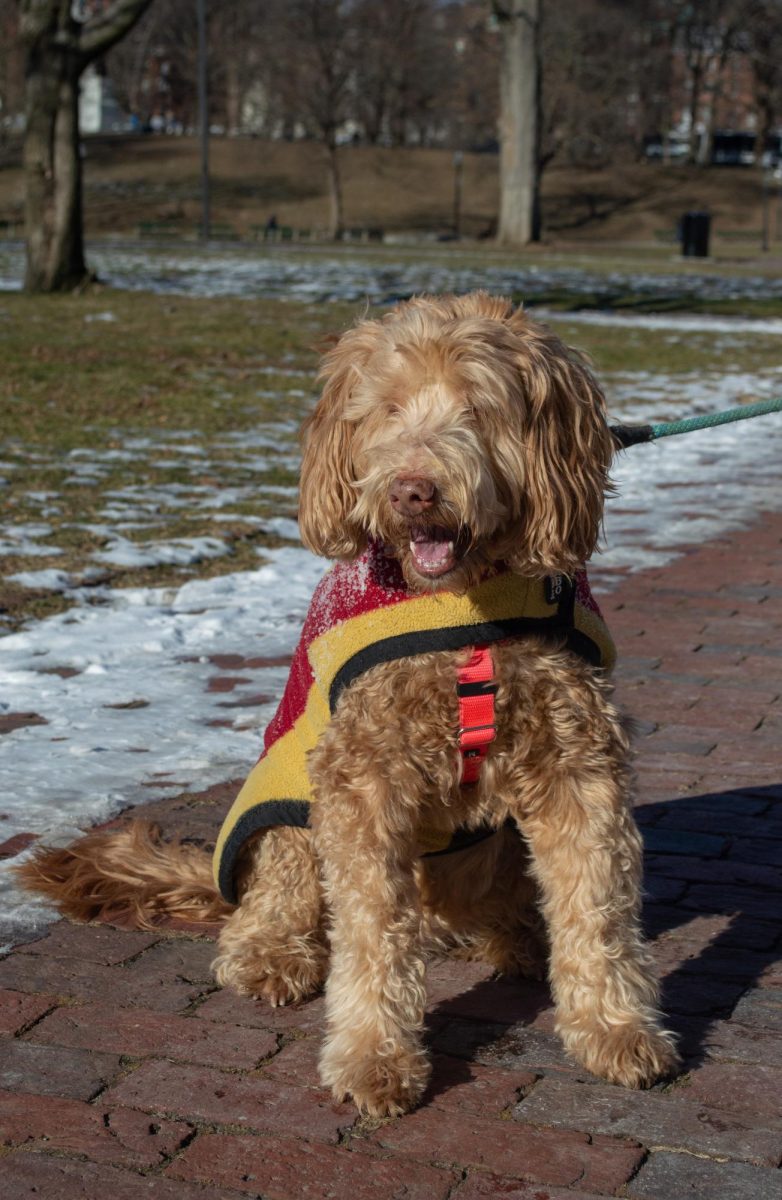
375 995
586 853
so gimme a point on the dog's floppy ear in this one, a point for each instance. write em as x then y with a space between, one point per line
568 450
327 492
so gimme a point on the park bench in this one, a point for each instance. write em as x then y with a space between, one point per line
164 228
282 233
222 233
363 234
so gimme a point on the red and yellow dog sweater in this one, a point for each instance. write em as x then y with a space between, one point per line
362 613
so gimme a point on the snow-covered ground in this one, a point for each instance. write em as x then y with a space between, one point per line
299 274
148 508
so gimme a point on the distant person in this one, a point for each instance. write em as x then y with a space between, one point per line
271 224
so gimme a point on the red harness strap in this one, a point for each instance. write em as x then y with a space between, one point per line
476 689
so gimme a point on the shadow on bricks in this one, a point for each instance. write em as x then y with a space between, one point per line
498 1021
713 902
713 907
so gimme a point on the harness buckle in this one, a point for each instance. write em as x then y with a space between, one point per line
476 689
477 728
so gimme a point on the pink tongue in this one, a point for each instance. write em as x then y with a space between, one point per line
432 554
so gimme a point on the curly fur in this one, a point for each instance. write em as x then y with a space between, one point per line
507 426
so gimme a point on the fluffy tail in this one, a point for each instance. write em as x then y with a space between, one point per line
121 872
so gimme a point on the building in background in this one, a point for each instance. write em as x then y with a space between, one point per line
99 109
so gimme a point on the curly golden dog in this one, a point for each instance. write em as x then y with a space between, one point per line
464 446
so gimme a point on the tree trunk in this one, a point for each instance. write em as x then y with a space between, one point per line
336 219
58 46
519 220
233 97
696 77
764 123
52 162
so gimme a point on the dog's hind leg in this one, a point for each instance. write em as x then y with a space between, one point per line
482 903
274 945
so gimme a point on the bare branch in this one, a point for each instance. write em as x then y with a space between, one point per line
102 30
39 17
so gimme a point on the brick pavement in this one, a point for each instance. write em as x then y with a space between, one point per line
123 1069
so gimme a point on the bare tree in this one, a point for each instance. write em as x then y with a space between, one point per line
133 64
588 52
705 36
58 46
519 24
472 80
11 71
401 79
312 53
763 46
651 64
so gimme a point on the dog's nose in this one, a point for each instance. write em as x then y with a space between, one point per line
411 497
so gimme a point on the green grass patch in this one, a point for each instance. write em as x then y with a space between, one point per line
639 301
162 363
178 419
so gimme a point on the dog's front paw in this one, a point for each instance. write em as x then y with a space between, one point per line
633 1056
380 1085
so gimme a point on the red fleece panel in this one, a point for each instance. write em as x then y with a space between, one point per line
348 590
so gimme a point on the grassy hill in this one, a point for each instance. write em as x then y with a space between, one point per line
131 180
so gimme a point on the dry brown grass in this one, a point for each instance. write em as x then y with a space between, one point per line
134 179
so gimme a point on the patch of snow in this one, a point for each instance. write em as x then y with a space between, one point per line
16 540
178 552
32 529
149 644
296 274
27 549
244 518
683 322
50 580
284 527
688 488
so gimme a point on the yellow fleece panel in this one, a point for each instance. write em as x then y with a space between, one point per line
499 598
590 624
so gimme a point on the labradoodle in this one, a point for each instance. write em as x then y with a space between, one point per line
446 770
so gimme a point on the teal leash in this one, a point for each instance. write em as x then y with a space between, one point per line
633 435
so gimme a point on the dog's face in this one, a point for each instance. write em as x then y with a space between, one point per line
459 433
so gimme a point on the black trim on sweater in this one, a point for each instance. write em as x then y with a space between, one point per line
273 813
453 637
456 637
260 816
582 645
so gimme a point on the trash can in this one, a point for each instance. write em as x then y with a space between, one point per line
695 228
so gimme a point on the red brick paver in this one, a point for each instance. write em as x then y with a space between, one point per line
124 1071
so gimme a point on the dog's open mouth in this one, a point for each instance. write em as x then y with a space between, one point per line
434 550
